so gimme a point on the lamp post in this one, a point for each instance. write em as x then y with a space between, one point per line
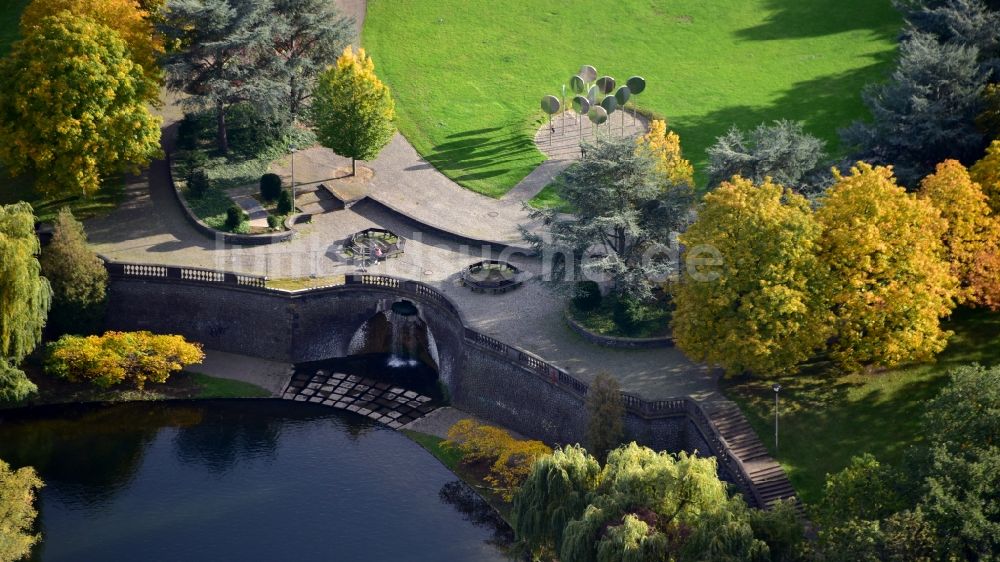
776 388
293 149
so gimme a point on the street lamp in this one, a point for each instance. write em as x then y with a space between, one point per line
293 149
776 388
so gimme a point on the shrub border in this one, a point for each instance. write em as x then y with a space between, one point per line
230 237
616 342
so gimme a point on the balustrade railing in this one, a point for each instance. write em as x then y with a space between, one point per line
528 361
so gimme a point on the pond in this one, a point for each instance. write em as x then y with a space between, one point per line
240 480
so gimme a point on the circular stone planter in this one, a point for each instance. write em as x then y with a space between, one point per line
492 276
374 244
616 341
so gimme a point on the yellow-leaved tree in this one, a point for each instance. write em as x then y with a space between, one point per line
972 230
665 148
352 110
986 172
890 280
762 308
73 107
509 460
117 357
126 17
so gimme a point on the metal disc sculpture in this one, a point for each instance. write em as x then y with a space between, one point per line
622 96
581 105
550 105
594 96
610 104
636 85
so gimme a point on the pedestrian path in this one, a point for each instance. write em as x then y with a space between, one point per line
250 206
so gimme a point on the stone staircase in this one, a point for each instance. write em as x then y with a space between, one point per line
768 478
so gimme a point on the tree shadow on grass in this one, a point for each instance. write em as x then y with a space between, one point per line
473 151
818 102
790 19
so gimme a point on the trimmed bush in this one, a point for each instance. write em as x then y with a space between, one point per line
588 296
285 204
187 133
235 216
273 222
197 182
628 313
270 186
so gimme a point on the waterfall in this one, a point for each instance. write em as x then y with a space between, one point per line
404 336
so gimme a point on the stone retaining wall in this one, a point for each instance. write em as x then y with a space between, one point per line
485 377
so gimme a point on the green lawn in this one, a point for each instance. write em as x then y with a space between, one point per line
826 419
20 188
214 387
468 75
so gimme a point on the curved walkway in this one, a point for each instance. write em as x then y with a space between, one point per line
150 228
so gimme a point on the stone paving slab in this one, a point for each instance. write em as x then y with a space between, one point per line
377 401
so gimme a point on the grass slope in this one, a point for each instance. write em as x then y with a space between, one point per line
826 419
468 74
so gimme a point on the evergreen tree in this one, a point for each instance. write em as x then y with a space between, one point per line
310 35
352 110
78 278
226 56
925 113
17 511
782 151
969 23
625 214
57 119
606 415
766 309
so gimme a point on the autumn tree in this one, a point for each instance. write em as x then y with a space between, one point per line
890 283
971 230
78 277
17 511
664 147
309 36
508 460
352 110
73 106
986 172
117 357
782 151
763 309
225 56
605 415
126 17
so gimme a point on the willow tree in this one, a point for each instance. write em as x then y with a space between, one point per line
642 506
17 511
352 110
25 296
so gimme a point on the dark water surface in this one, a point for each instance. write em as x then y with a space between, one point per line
239 480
